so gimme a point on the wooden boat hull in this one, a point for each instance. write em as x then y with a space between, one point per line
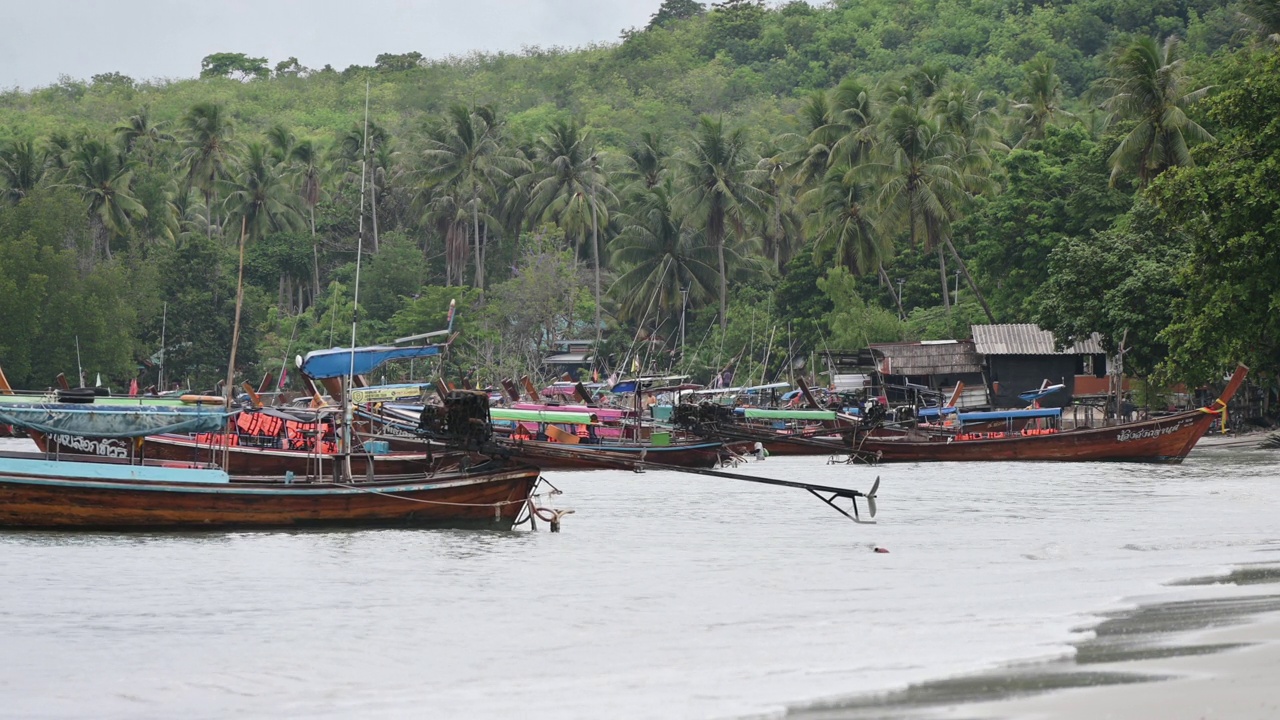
1164 440
240 459
481 500
823 445
560 456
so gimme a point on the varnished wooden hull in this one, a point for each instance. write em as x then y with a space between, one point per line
488 500
240 460
559 456
1163 440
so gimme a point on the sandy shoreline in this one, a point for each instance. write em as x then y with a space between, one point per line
1215 656
1241 683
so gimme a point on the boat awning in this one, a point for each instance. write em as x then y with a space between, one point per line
1010 414
766 414
338 362
651 384
113 421
389 393
931 412
543 416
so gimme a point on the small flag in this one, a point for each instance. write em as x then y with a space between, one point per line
98 382
133 387
284 377
453 304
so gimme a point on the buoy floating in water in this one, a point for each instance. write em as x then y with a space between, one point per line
880 550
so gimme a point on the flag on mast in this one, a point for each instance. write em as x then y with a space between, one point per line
453 304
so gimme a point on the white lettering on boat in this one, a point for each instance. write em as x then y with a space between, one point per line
1148 433
90 446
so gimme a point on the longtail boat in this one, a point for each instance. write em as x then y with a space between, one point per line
1166 439
549 439
82 495
264 442
85 493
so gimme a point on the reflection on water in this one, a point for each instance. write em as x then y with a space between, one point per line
666 596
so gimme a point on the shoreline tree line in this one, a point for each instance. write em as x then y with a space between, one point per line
731 187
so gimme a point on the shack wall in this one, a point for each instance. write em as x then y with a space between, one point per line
1013 374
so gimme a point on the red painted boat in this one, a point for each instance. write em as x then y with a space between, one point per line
1165 439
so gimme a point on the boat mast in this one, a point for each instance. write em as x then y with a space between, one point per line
79 367
164 320
347 410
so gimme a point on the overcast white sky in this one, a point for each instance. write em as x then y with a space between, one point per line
43 39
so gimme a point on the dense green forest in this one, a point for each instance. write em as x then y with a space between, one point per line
733 183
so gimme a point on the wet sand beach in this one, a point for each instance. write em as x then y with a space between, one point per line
1200 659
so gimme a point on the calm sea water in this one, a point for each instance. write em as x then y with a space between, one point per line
665 596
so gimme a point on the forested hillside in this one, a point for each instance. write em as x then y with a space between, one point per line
782 178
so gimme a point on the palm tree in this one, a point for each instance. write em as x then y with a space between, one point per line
648 157
1146 86
1041 103
306 159
141 134
1262 17
660 258
447 213
570 189
840 222
207 152
466 159
717 195
259 195
21 168
852 126
280 142
777 219
921 189
367 144
103 176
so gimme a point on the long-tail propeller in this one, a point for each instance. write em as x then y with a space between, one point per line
853 496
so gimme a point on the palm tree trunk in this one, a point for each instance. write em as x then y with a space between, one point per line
475 219
373 205
897 298
235 331
942 272
315 258
968 279
595 250
724 289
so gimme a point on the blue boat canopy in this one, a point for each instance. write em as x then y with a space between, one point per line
932 412
108 421
337 362
1010 414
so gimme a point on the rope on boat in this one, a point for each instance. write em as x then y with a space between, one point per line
383 493
550 516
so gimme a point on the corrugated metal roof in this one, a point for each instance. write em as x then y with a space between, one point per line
927 358
1028 339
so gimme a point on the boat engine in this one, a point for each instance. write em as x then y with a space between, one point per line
691 417
462 420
